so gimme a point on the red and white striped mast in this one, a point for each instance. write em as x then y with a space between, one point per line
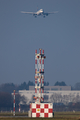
39 76
14 105
19 108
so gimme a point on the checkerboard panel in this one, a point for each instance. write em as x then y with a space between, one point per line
42 110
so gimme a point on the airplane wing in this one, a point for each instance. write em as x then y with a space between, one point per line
50 13
28 12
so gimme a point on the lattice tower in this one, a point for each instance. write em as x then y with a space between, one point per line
39 76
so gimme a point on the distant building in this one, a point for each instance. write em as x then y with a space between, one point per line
52 88
55 94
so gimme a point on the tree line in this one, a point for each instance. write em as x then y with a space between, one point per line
9 87
6 98
6 102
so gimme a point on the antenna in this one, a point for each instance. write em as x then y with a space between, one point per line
39 76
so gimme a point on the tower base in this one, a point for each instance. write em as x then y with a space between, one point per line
41 110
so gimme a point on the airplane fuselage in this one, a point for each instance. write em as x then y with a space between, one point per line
40 12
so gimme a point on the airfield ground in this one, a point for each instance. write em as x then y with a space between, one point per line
57 116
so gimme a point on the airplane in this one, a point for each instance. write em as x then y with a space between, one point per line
39 12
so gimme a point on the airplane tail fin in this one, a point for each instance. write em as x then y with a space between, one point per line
37 8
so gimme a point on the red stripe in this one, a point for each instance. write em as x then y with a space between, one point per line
35 81
35 90
42 90
42 51
14 108
35 70
40 61
35 61
39 80
14 100
35 51
39 70
39 90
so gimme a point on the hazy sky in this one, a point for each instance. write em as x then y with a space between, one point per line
58 34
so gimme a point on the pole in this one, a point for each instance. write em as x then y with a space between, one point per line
14 105
19 108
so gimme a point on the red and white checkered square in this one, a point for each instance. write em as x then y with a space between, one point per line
42 110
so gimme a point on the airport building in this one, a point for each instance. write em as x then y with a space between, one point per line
54 94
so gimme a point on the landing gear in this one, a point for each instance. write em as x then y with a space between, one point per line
43 16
